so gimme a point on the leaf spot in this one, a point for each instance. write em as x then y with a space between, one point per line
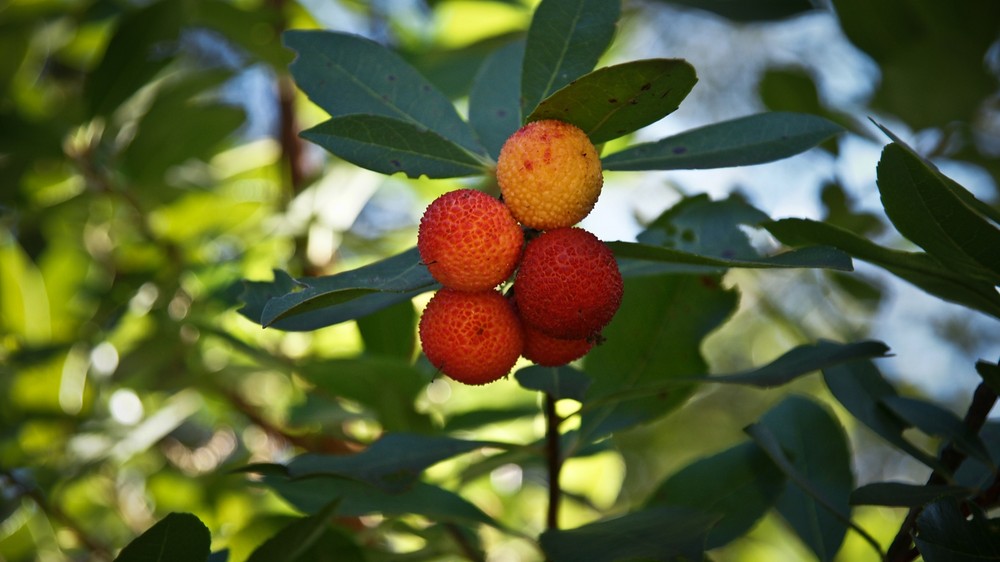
391 78
396 164
613 100
501 113
646 86
679 150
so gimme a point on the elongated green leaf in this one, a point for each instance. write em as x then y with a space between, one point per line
766 440
654 337
309 539
755 139
661 533
900 494
178 536
388 145
917 268
944 534
495 98
860 387
565 40
559 382
920 203
939 422
312 302
394 463
616 100
355 498
390 332
346 74
739 484
756 10
817 447
812 257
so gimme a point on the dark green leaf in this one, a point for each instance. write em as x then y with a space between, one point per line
178 536
812 257
356 498
935 420
565 40
655 336
388 145
750 10
899 494
339 297
309 539
390 332
755 139
990 373
142 45
816 446
394 463
917 268
860 387
388 386
558 382
346 74
616 100
803 360
921 204
700 225
944 534
495 99
661 533
739 484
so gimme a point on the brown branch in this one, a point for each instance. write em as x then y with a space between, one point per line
554 460
983 400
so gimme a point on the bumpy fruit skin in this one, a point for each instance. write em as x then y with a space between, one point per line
568 285
545 350
469 240
549 174
474 338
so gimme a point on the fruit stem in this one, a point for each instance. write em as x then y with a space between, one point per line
554 455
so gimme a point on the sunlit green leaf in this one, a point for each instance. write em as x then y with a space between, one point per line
739 485
616 100
309 539
565 40
178 536
660 533
347 74
755 139
495 99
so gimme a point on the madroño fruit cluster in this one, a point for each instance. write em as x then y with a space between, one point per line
567 285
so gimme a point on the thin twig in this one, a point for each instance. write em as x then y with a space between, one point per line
554 460
983 400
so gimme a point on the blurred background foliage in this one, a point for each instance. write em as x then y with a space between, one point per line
149 162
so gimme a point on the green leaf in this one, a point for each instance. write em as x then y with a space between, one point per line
803 360
565 40
816 446
861 389
754 139
655 336
387 385
388 145
313 302
390 332
394 463
938 422
921 204
899 494
495 98
944 534
813 257
346 74
251 28
990 372
616 100
661 533
750 11
309 539
355 498
739 484
178 536
559 382
142 45
917 268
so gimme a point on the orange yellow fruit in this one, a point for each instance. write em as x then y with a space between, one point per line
568 285
549 174
474 338
469 240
